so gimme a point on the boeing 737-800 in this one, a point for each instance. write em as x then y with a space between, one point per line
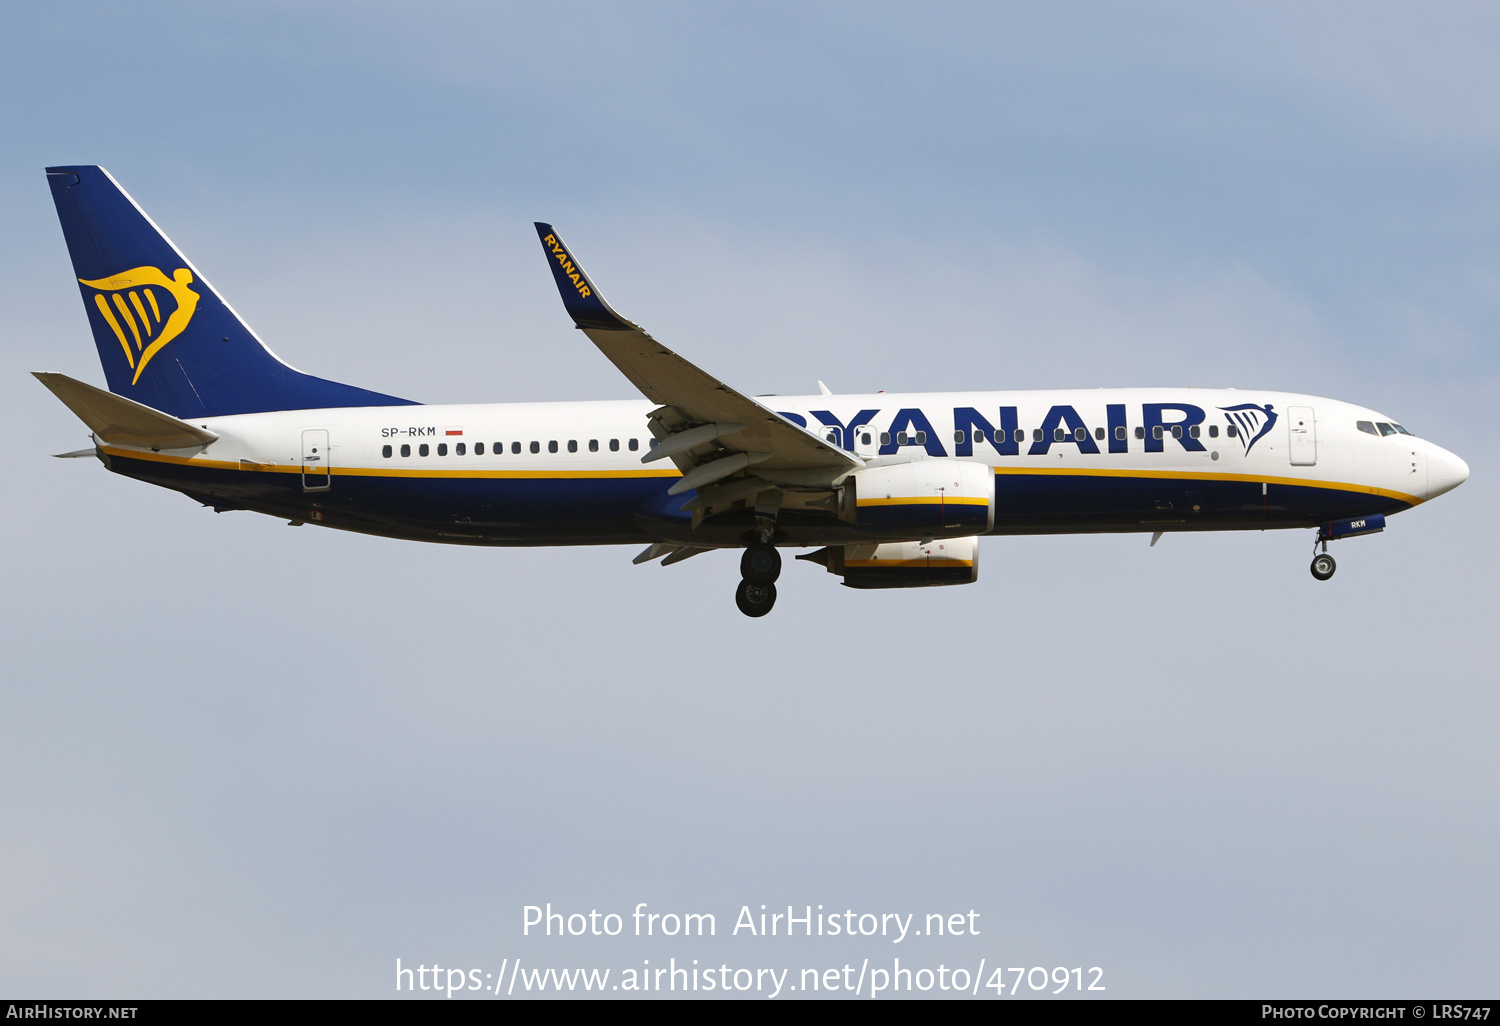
887 490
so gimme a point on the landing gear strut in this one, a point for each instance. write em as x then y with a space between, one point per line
760 566
1323 565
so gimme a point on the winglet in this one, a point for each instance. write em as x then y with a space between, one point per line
582 301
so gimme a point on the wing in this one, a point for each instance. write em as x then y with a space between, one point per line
707 428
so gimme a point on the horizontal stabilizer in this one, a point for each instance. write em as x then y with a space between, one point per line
76 454
120 421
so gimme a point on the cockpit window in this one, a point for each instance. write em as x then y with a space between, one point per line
1367 426
1401 429
1385 429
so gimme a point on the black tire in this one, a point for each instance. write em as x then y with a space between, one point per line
755 599
1323 566
761 564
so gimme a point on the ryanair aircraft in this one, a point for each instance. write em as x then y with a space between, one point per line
885 491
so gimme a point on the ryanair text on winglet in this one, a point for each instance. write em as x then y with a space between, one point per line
569 268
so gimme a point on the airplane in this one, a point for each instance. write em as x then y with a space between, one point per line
884 490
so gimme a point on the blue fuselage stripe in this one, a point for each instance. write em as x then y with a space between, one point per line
607 509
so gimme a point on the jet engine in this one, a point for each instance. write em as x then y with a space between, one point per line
902 564
921 498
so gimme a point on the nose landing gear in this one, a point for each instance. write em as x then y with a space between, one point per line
1323 565
760 566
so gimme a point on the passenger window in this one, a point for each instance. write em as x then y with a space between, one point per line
593 445
459 449
1176 430
1020 435
1058 434
1195 431
1156 432
1036 434
1213 431
572 445
1367 426
442 448
634 445
536 447
864 439
921 437
406 450
552 446
478 448
1140 432
1098 434
1119 434
515 447
1385 429
901 438
1079 434
614 445
385 450
832 435
1232 431
959 436
422 449
885 438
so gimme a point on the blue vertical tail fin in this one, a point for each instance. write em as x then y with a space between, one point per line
165 336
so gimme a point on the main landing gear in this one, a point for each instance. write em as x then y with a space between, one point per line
1323 565
759 566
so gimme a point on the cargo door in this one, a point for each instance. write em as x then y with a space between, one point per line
1303 442
317 475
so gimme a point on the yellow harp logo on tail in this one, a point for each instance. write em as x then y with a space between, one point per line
131 303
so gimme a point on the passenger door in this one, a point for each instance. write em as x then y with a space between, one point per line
1302 430
317 474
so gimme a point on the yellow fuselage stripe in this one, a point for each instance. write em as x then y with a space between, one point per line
894 563
320 469
928 500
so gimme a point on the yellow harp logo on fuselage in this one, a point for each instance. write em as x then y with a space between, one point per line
130 305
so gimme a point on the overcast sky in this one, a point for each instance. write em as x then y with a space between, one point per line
238 759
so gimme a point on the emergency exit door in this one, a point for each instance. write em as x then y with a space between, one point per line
317 475
1302 429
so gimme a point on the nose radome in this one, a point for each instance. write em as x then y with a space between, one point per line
1445 472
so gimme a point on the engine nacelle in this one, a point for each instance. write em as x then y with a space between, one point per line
926 498
902 564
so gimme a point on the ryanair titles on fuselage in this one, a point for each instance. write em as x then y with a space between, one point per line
1062 425
871 432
